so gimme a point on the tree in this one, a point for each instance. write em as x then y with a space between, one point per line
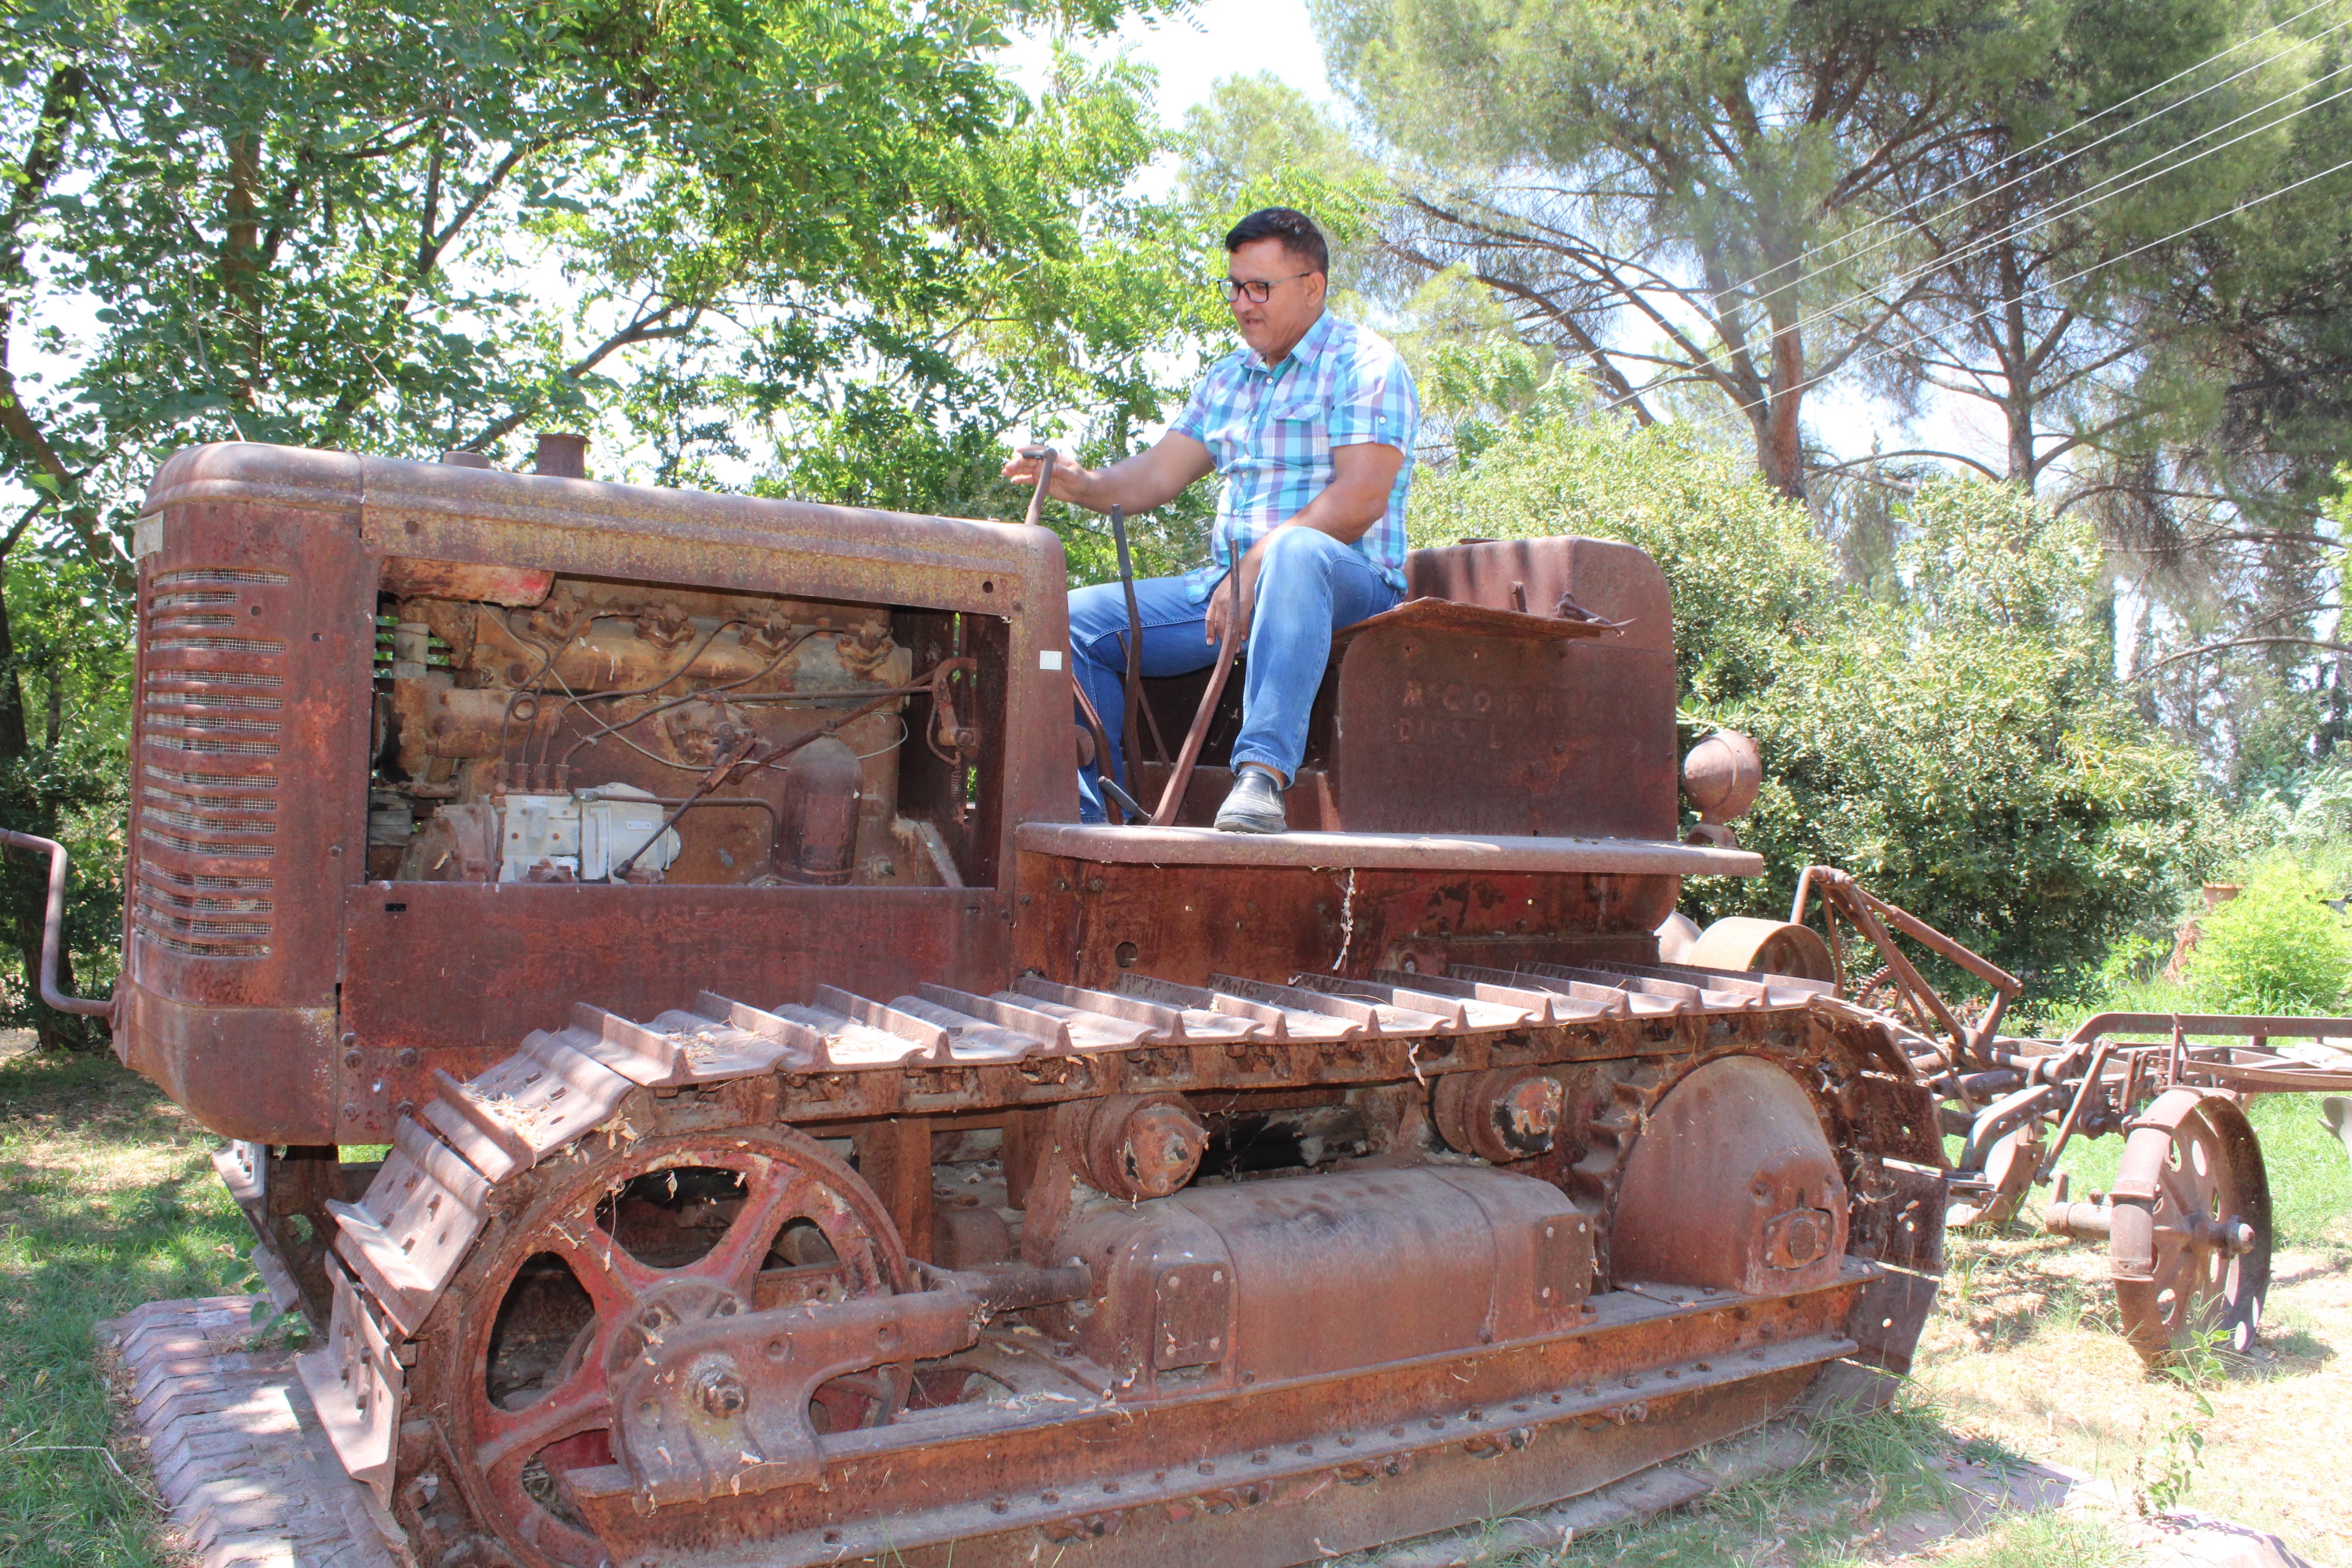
2045 244
832 235
1719 175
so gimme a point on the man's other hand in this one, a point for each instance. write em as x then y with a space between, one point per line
1222 610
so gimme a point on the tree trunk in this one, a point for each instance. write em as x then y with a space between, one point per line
1780 445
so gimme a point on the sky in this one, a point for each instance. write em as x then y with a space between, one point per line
1218 38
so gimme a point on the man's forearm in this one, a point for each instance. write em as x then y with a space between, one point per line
1345 519
1142 481
1347 508
1126 484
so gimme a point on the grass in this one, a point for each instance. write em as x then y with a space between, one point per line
1818 1514
2022 1349
2044 1540
106 1199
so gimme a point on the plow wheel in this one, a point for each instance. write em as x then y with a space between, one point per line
2190 1240
601 1251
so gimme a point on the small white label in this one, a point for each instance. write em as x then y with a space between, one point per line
1049 659
146 536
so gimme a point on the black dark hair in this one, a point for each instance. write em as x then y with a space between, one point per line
1293 229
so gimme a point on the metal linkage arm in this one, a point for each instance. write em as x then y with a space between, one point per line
1872 915
53 927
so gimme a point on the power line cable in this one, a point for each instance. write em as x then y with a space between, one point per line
2071 205
2069 130
2023 294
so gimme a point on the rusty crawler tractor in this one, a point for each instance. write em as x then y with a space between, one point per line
2187 1225
809 1143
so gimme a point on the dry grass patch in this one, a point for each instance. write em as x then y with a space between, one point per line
2024 1350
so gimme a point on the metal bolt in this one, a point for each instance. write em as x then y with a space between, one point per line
719 1390
352 1058
407 1057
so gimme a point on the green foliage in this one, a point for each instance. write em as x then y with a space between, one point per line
395 228
1742 563
2277 947
65 684
2167 1472
1962 750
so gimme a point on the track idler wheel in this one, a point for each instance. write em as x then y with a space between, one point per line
2189 1227
1774 947
602 1253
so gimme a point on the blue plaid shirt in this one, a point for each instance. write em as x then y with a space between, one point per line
1271 431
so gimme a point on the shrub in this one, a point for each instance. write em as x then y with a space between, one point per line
1742 561
2277 947
1964 750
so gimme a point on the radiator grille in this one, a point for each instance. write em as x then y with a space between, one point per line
216 575
206 781
206 678
198 643
209 738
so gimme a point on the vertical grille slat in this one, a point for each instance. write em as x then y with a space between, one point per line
208 730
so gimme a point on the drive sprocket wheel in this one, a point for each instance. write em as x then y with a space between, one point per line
2190 1241
594 1242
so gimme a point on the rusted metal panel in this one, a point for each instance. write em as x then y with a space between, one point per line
267 1074
249 753
1479 620
1091 921
1733 1183
1450 850
1356 1458
1603 577
1462 1258
412 578
1898 1218
1438 724
413 1000
1887 1318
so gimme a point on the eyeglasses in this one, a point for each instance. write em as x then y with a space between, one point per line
1258 289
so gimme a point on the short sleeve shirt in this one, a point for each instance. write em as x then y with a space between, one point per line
1271 431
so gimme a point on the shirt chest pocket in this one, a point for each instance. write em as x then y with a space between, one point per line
1298 436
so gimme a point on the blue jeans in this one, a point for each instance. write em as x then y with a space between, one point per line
1310 584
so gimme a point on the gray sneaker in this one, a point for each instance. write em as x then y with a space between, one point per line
1254 806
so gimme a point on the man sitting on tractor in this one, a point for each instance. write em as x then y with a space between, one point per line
1312 424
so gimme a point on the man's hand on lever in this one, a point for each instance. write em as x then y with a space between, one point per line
1150 478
